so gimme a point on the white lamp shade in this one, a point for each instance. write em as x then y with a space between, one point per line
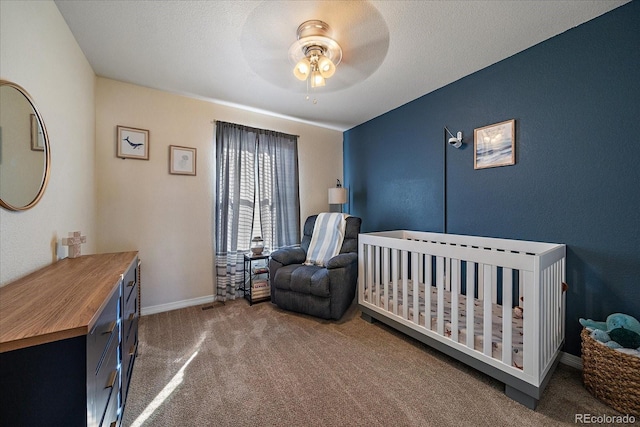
302 68
337 196
316 79
326 67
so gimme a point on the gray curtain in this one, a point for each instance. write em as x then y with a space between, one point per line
239 151
278 189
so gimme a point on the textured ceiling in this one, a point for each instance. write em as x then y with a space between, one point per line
236 52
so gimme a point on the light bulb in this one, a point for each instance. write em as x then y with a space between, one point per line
302 68
316 79
326 67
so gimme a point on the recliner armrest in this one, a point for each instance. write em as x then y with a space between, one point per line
342 260
289 255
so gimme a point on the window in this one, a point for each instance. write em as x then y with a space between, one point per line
257 194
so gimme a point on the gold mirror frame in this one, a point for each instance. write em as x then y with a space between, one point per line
47 152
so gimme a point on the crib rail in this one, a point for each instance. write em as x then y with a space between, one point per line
462 290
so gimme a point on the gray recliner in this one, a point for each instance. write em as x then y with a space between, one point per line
325 292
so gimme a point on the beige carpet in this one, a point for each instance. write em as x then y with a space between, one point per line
236 365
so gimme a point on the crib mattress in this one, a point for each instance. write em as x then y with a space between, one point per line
478 311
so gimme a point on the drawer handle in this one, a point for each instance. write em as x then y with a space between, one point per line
113 424
131 283
132 350
112 326
112 379
132 316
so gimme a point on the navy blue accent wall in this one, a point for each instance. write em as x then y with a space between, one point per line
576 102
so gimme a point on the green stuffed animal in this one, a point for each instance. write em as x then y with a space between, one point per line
625 337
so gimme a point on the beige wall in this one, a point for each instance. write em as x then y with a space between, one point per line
128 204
168 218
38 52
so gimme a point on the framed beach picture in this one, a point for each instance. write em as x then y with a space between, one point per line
182 160
132 143
494 145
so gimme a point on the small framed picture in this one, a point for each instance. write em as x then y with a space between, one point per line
132 143
182 160
37 138
494 145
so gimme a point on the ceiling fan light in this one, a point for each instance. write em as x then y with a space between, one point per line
316 79
302 68
326 67
314 53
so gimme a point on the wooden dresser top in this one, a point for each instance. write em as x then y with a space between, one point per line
62 300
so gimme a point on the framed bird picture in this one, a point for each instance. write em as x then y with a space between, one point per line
132 143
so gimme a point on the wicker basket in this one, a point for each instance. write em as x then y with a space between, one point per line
611 376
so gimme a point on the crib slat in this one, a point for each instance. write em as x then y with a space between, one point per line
545 295
555 289
557 293
377 276
394 275
471 266
562 298
561 294
416 287
507 313
530 340
405 285
440 287
369 274
385 277
487 334
455 289
421 268
427 290
554 306
549 312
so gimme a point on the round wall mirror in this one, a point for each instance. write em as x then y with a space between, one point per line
24 149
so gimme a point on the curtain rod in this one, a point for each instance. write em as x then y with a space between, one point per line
214 121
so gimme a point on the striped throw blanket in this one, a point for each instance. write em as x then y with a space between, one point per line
326 239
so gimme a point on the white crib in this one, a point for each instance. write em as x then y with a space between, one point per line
417 282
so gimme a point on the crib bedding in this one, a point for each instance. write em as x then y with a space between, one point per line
478 311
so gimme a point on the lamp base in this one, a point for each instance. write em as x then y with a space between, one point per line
335 208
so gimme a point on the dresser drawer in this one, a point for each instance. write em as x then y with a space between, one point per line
105 329
111 414
107 379
128 361
130 313
131 342
130 288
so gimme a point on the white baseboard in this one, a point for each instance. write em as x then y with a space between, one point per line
175 305
571 360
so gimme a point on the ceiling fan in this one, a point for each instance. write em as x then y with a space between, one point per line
353 37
